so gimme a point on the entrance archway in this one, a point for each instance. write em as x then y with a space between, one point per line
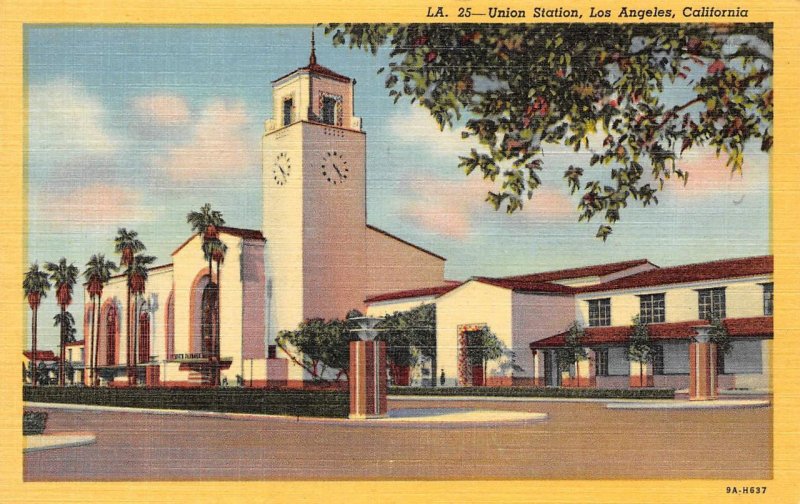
108 336
144 338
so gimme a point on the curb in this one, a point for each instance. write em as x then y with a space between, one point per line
52 441
694 405
514 399
517 418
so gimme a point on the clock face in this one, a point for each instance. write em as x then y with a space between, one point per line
334 167
281 168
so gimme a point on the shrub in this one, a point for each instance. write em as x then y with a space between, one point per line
33 422
228 400
586 393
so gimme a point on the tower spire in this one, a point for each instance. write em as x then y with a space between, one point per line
312 59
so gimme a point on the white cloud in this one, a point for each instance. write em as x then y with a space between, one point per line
65 119
219 146
164 109
92 207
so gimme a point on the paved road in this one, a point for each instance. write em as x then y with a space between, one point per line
579 441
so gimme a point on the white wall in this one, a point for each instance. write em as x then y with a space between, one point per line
535 317
743 298
471 303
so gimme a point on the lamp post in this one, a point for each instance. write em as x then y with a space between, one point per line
702 366
367 371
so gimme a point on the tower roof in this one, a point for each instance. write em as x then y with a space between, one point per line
315 68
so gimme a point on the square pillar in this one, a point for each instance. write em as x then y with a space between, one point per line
641 374
702 367
538 368
368 379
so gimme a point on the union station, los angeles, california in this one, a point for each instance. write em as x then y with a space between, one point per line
317 256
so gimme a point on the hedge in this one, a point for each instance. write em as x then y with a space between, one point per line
33 422
566 392
229 400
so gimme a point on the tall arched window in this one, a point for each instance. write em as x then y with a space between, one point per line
111 336
144 337
169 327
208 321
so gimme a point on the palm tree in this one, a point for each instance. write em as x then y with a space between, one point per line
206 224
137 274
63 278
127 245
216 250
97 274
67 323
35 285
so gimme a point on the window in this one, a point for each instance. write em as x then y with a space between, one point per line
329 110
288 105
711 303
745 357
601 361
272 352
768 297
651 308
658 360
600 312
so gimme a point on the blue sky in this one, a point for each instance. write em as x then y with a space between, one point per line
135 126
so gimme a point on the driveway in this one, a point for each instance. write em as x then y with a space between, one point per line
577 441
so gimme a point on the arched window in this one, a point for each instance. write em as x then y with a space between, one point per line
111 336
208 321
144 337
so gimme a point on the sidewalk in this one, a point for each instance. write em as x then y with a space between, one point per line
403 417
52 441
678 404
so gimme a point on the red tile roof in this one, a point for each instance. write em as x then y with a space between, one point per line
414 293
581 272
246 234
319 70
526 285
41 355
714 270
737 327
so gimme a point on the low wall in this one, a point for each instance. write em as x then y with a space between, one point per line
315 403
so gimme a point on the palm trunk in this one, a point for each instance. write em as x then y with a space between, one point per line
641 375
578 373
218 330
63 349
136 339
129 360
91 344
95 356
34 320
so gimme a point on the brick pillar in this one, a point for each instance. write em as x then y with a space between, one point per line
702 367
367 379
641 377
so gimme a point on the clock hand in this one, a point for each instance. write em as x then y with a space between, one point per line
282 172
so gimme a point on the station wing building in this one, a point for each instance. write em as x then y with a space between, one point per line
530 315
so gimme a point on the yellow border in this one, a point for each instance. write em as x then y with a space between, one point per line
15 13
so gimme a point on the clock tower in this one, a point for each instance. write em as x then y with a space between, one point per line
314 186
